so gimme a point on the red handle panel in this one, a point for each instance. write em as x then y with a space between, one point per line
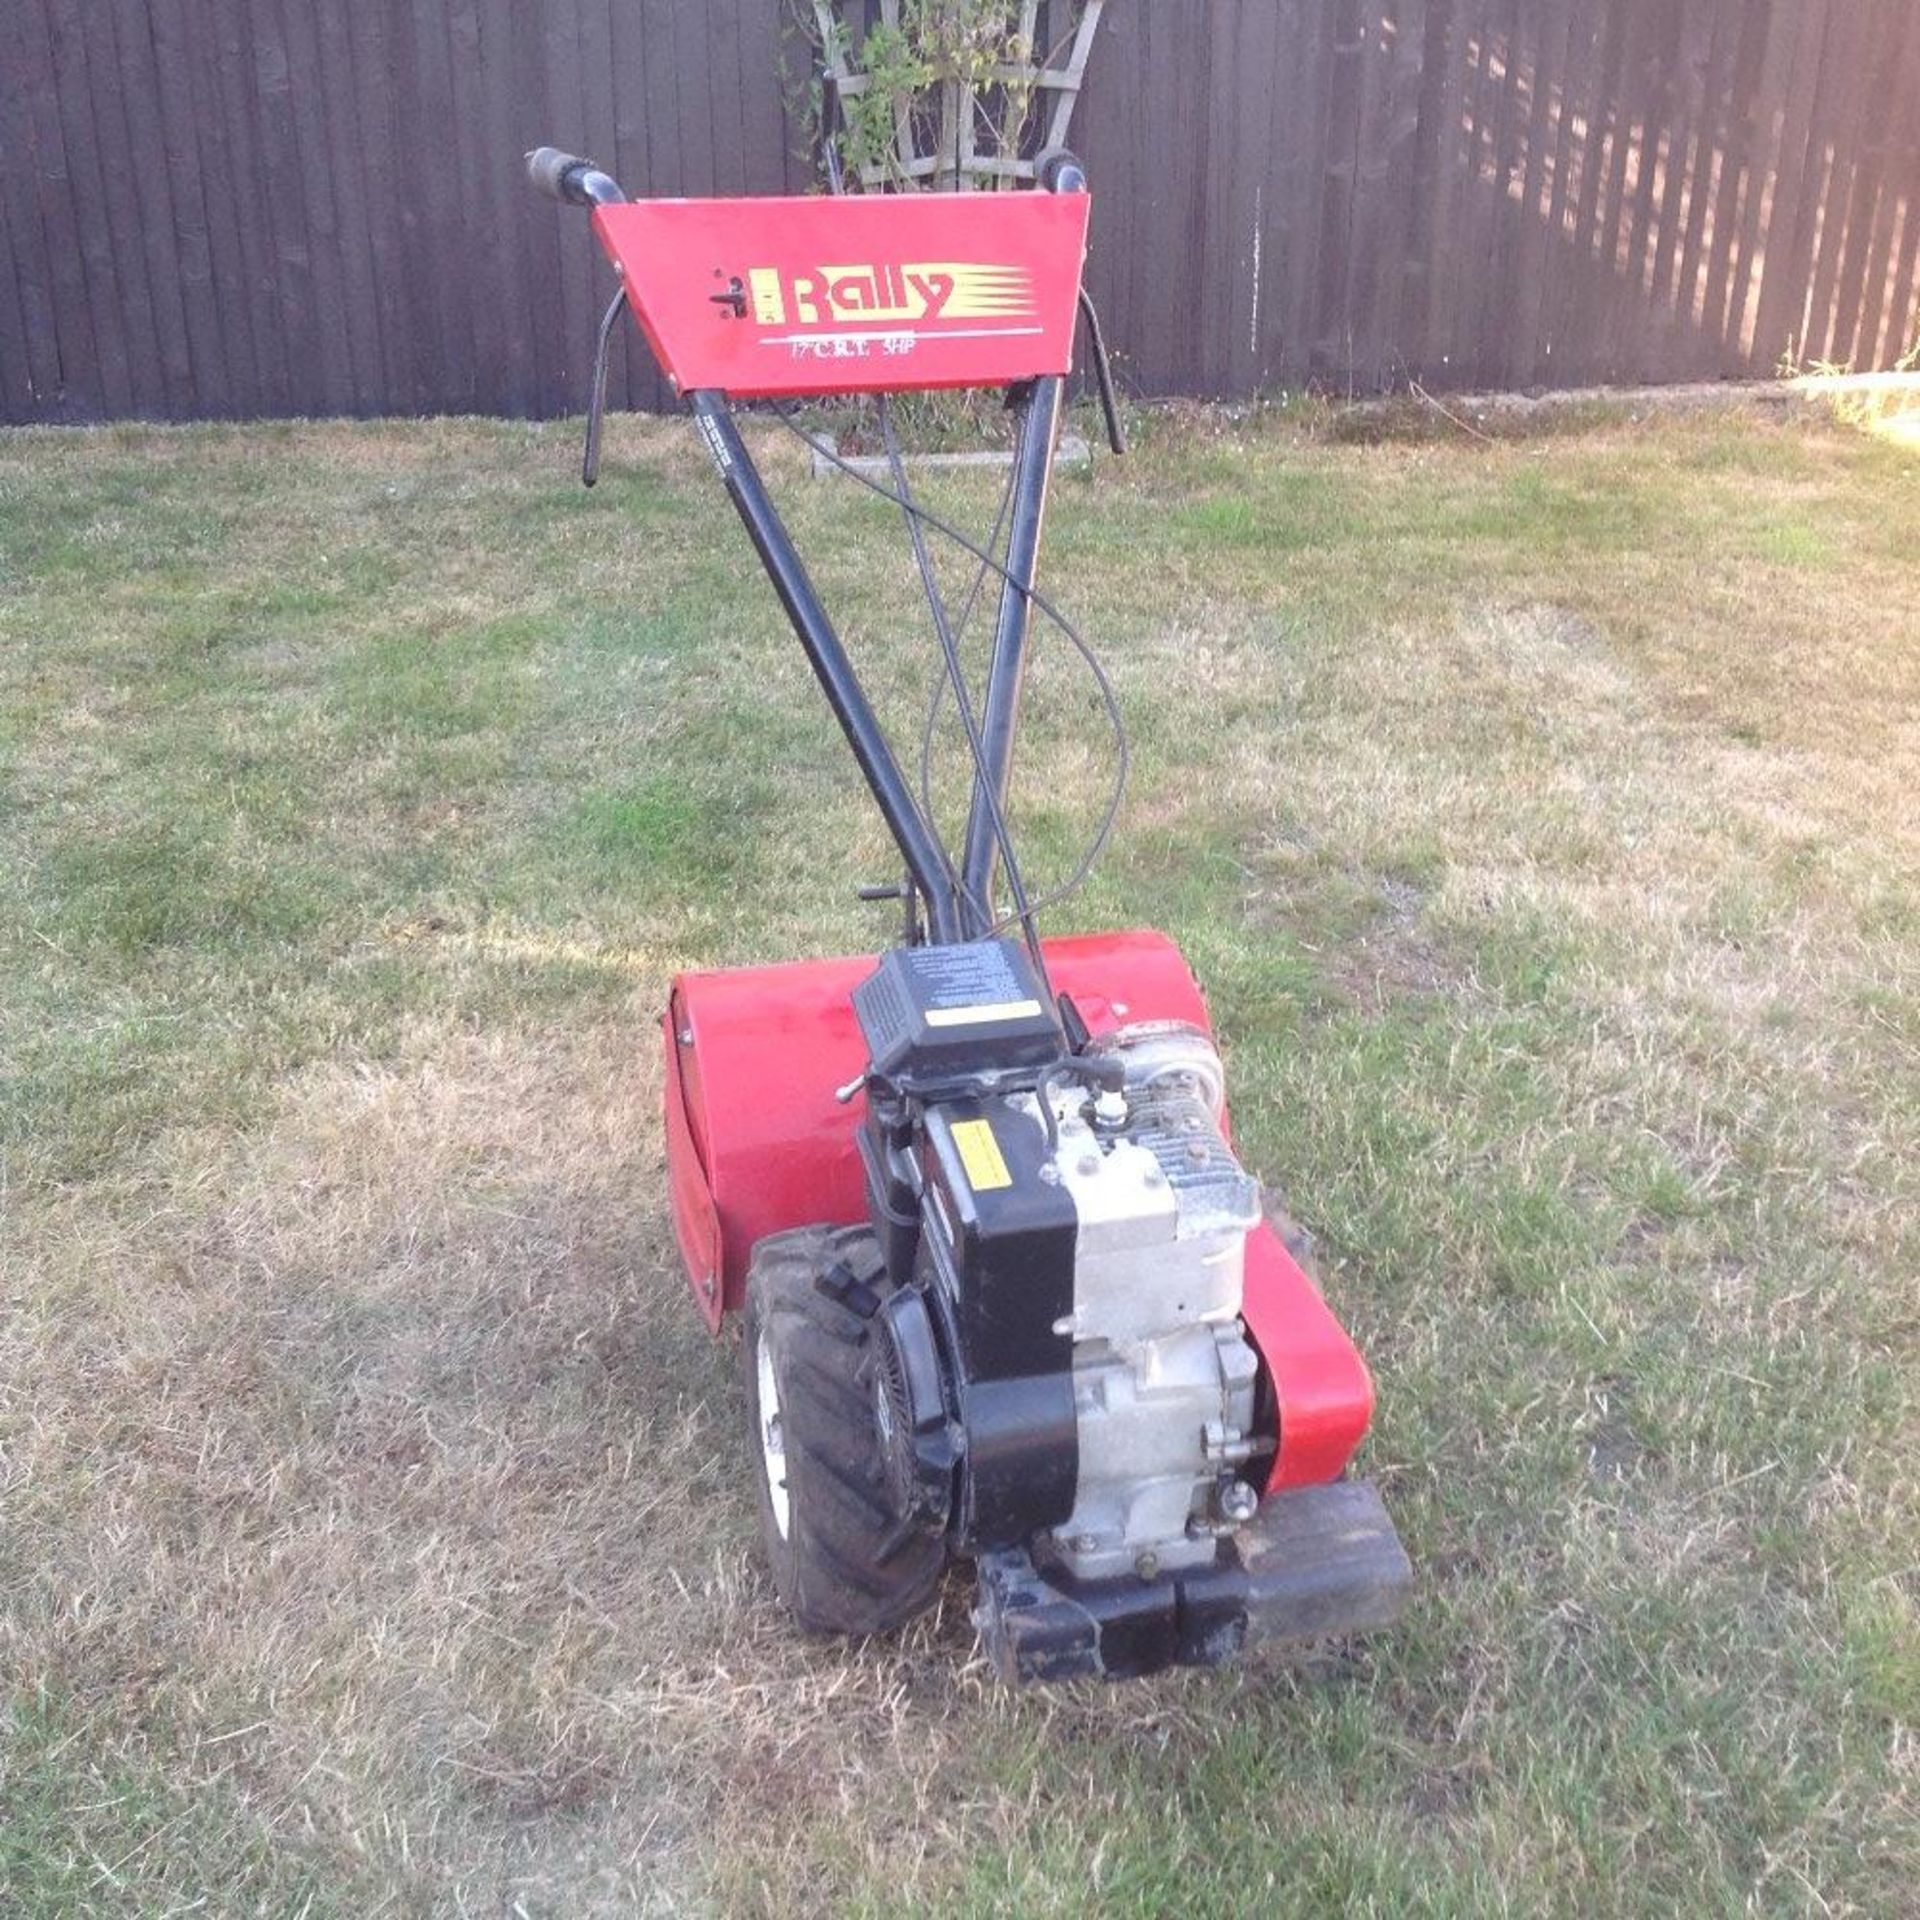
879 293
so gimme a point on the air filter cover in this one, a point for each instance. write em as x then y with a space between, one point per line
936 1019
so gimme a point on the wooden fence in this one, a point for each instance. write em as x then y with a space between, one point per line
254 207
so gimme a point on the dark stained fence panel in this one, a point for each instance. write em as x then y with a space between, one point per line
256 207
1900 186
44 288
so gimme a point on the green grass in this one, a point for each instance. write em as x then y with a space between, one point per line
93 1824
1540 817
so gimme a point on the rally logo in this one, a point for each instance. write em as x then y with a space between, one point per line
849 312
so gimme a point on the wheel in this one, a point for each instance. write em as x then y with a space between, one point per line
844 1559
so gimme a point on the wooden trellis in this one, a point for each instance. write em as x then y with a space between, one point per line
956 161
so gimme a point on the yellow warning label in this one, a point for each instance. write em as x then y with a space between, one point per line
980 1155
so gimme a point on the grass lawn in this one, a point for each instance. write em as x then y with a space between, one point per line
375 1534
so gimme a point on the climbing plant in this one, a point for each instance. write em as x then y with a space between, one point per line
939 93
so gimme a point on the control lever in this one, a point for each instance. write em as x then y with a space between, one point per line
571 178
1059 171
597 392
1103 373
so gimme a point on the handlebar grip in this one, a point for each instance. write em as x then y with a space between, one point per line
569 177
548 170
1059 171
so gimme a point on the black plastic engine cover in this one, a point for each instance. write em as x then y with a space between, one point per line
936 1018
996 1259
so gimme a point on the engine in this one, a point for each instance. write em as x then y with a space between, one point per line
1067 1375
1063 1387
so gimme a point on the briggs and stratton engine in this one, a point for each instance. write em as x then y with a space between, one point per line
1063 1384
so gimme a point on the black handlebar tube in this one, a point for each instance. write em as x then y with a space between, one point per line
1058 171
1039 417
909 826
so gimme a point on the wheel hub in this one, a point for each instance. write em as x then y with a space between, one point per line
773 1446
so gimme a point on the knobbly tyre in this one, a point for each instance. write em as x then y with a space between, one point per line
1007 1293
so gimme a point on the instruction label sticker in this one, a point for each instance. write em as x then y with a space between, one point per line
980 1155
977 1016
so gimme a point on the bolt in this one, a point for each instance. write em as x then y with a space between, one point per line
1089 1166
1237 1501
1197 1152
1085 1542
1050 1172
1147 1565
